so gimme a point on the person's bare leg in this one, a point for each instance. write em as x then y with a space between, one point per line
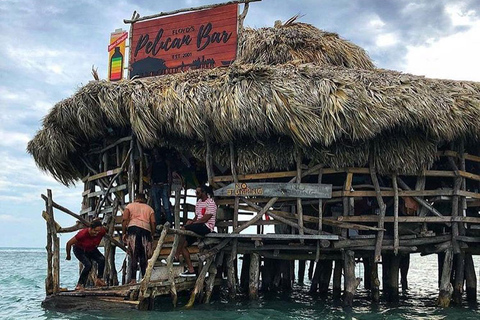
181 244
186 256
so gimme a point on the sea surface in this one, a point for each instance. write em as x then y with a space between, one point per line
22 289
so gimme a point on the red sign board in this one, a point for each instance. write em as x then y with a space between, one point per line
196 40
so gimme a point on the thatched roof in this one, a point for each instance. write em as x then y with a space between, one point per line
293 85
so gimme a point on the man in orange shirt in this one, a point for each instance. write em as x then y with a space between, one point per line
138 228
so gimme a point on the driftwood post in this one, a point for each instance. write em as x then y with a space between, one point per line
199 284
233 168
298 159
446 288
471 279
350 283
382 206
55 243
148 273
254 275
171 275
49 278
231 274
396 240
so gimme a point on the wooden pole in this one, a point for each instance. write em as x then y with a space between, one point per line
171 275
325 277
254 275
209 159
233 168
350 282
231 273
56 245
404 266
391 265
161 14
382 206
320 203
151 262
298 159
375 280
199 284
131 173
395 215
140 167
446 288
471 279
301 271
337 279
459 278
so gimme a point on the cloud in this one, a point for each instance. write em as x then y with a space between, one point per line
10 218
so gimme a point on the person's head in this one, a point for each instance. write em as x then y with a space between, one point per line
95 227
140 197
203 192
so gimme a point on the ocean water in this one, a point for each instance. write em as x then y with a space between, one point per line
22 282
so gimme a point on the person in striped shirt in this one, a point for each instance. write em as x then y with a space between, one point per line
202 224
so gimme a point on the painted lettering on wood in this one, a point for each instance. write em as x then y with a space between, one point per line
197 40
270 189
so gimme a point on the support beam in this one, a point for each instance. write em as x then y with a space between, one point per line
446 287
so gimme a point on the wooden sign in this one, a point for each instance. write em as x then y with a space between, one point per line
116 54
197 40
284 190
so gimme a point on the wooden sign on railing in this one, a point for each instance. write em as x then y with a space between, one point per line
271 189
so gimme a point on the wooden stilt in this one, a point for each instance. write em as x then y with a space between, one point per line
337 279
298 159
199 284
151 262
244 272
396 240
254 274
404 266
471 280
367 269
231 270
391 265
446 288
171 256
350 282
459 278
315 278
325 277
311 266
301 271
382 207
374 280
212 274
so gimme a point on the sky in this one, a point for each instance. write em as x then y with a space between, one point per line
49 47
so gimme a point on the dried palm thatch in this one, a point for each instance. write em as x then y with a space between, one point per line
300 42
338 116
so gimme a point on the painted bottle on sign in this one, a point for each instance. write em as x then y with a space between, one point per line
116 65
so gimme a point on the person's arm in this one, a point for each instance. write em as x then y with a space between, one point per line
125 221
70 243
153 223
204 219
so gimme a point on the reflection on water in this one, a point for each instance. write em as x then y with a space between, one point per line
22 281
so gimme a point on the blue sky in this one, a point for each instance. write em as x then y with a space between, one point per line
48 49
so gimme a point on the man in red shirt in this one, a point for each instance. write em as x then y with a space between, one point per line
85 244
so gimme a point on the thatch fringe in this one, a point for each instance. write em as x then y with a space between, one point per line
338 116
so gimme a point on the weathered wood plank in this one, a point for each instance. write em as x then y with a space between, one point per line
102 192
272 236
271 189
103 174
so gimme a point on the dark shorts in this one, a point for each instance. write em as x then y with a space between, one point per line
198 228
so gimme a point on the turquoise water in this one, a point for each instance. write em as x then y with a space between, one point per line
22 279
